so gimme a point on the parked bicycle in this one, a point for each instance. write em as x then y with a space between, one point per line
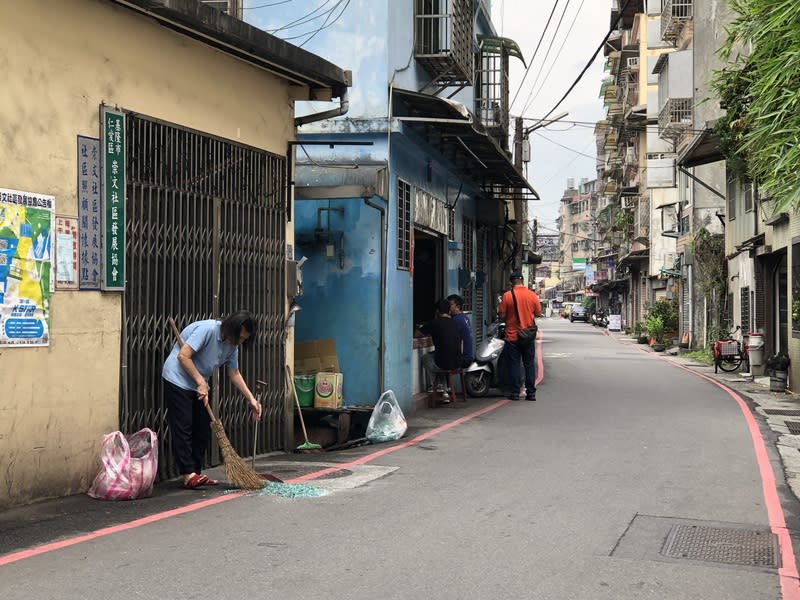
729 353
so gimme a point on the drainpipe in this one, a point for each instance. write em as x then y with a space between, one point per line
344 106
691 307
382 335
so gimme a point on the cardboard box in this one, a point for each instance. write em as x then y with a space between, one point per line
319 358
316 356
328 390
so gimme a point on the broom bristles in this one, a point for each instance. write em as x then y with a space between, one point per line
238 472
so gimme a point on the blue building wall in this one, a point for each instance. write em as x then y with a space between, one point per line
343 297
341 300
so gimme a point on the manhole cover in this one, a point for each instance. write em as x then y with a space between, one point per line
793 427
722 545
785 412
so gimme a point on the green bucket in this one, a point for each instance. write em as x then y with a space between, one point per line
304 386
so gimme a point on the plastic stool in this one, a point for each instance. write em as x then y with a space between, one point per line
450 387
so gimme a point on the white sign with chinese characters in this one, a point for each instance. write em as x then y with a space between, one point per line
90 234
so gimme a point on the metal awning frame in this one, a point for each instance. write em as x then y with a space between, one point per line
474 150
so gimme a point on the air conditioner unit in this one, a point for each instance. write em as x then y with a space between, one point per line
633 63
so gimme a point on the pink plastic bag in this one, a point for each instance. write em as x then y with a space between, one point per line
129 467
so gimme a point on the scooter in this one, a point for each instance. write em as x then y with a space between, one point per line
483 374
600 319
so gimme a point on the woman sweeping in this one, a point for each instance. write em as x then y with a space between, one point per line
207 345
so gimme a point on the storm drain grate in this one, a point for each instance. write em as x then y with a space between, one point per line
722 545
784 412
793 427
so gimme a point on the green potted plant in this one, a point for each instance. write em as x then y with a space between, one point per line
778 364
640 333
667 311
655 329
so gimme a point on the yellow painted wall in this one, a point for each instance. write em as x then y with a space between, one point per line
59 60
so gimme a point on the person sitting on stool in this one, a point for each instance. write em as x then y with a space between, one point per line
447 341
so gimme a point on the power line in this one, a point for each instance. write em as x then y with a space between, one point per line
547 54
325 25
304 19
266 5
565 147
611 30
553 64
528 68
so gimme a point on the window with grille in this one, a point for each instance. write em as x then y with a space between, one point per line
467 260
744 311
795 285
491 101
403 224
749 194
731 200
480 291
451 224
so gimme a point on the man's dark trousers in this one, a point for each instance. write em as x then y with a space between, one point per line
526 352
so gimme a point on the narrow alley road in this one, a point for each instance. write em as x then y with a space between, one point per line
629 478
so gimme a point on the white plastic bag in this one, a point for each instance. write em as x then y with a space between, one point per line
387 422
129 466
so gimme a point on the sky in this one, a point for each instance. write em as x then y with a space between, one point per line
583 26
559 151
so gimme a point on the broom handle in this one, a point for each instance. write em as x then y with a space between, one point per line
180 345
296 400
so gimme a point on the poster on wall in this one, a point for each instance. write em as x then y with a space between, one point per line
66 253
26 241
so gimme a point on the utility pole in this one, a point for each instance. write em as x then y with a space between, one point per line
518 213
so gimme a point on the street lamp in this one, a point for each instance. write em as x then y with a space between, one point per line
519 143
523 133
543 123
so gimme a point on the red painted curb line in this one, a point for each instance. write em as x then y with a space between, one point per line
787 573
45 548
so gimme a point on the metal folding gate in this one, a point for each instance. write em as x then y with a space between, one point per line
206 229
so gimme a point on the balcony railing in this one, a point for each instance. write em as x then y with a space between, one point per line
674 16
675 118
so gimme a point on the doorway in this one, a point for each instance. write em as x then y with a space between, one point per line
780 290
428 277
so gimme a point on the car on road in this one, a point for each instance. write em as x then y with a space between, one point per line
566 308
578 313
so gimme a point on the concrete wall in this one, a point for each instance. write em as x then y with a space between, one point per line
60 59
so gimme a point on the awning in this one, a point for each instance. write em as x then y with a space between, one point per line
702 150
610 285
636 256
474 151
497 44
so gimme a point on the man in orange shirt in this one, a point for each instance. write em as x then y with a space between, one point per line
519 315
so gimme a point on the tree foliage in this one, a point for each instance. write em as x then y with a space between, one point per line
760 90
710 266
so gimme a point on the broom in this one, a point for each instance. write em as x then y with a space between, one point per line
236 470
305 446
